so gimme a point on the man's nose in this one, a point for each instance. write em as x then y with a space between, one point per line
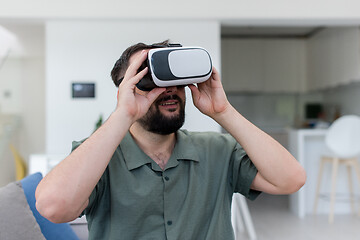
171 90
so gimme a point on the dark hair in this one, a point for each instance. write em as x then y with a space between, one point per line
122 63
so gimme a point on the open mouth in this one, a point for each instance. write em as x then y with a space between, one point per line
170 106
169 102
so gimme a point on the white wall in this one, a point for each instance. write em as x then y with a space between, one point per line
10 86
87 51
22 93
32 131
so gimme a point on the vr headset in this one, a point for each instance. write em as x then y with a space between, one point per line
174 65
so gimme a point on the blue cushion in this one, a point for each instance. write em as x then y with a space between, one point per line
49 230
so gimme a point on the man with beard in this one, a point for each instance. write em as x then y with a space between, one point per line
140 177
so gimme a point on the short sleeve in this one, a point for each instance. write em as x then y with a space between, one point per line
243 172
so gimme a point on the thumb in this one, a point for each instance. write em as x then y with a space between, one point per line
195 93
155 93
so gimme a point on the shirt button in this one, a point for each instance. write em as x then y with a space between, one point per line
169 223
167 178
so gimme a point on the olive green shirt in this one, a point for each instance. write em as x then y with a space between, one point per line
190 199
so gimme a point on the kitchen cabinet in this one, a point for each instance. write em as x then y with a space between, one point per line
263 65
241 61
333 58
284 65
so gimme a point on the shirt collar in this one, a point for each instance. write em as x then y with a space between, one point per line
185 148
135 157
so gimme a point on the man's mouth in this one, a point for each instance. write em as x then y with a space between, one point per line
169 102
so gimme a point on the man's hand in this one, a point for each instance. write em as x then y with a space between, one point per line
278 170
209 96
130 102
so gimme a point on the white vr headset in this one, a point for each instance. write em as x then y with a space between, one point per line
175 66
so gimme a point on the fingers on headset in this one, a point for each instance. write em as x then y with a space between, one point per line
135 65
135 79
140 75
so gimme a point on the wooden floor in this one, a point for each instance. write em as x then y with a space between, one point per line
273 221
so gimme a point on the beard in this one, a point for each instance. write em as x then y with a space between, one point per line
154 121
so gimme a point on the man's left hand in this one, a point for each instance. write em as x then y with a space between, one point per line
209 96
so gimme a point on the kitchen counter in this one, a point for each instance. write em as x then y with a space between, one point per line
307 146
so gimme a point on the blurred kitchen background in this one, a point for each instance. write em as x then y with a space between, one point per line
281 77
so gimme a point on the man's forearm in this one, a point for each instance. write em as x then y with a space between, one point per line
63 193
279 170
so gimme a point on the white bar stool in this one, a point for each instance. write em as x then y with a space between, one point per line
343 141
240 217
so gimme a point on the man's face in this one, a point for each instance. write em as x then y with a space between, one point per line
167 113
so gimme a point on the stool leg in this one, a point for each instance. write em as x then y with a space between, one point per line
357 170
348 168
333 189
237 222
321 168
247 217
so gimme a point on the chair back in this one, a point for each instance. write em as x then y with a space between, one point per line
343 136
20 165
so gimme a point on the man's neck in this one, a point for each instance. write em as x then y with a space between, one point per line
158 147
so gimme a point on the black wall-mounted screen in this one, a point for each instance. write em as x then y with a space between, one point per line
83 90
312 110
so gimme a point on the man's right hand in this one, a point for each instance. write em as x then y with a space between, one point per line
132 102
63 193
